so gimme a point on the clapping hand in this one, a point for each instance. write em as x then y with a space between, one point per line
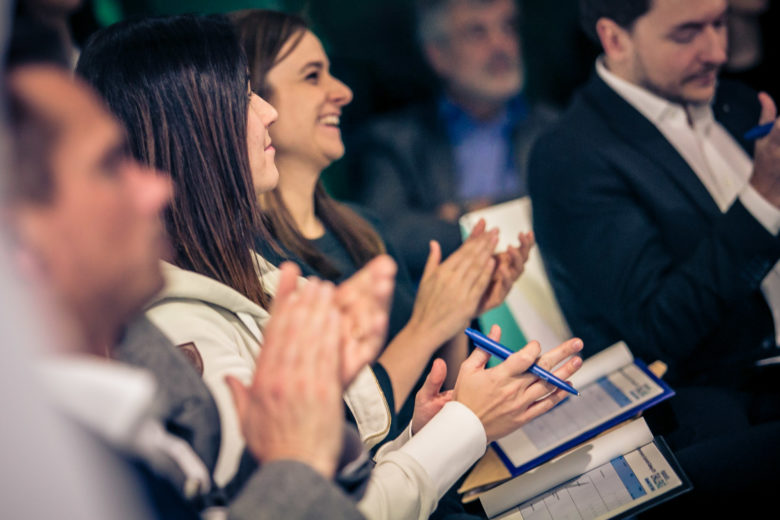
293 407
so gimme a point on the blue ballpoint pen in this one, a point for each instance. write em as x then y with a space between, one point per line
502 352
757 132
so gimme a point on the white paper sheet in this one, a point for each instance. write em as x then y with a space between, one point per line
622 483
601 364
566 467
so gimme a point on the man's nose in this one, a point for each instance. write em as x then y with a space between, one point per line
504 39
715 45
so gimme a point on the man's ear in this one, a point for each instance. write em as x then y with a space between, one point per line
25 231
615 40
27 263
437 57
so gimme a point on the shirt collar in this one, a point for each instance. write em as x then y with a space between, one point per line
655 108
120 404
112 399
702 116
457 120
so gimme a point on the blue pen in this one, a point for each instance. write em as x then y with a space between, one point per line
500 351
757 132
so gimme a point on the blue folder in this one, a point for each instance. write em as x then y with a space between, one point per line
624 415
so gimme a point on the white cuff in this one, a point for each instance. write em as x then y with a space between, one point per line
448 445
767 214
395 444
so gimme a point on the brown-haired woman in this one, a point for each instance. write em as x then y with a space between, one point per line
289 67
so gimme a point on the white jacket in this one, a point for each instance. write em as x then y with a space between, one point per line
225 329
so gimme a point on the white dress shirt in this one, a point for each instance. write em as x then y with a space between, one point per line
117 402
714 155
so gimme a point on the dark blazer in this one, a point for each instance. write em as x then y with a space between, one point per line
406 170
636 248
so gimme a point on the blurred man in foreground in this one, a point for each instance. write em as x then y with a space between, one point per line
85 222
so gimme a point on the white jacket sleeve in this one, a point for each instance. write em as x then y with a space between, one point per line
414 472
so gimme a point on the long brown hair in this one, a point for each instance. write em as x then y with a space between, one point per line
263 34
179 85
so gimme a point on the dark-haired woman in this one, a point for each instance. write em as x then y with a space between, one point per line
180 87
289 67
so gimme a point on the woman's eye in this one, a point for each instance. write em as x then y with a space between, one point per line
312 76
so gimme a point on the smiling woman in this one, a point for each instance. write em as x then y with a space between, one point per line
289 67
302 87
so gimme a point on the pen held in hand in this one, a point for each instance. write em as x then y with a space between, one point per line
500 351
757 132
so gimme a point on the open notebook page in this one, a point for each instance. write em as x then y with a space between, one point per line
612 385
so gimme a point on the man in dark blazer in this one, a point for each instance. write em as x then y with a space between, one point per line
655 224
422 168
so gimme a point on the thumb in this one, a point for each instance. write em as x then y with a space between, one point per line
768 108
527 240
435 379
434 257
288 282
240 396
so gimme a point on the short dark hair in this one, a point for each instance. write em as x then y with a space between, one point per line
34 42
623 12
33 136
179 85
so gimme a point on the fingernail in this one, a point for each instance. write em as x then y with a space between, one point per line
578 344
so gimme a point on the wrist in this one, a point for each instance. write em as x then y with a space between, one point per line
421 335
769 189
320 464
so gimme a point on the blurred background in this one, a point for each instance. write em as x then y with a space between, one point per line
373 49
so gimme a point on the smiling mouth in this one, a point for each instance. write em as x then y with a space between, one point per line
331 120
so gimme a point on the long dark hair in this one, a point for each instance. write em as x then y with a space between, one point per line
179 84
263 34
